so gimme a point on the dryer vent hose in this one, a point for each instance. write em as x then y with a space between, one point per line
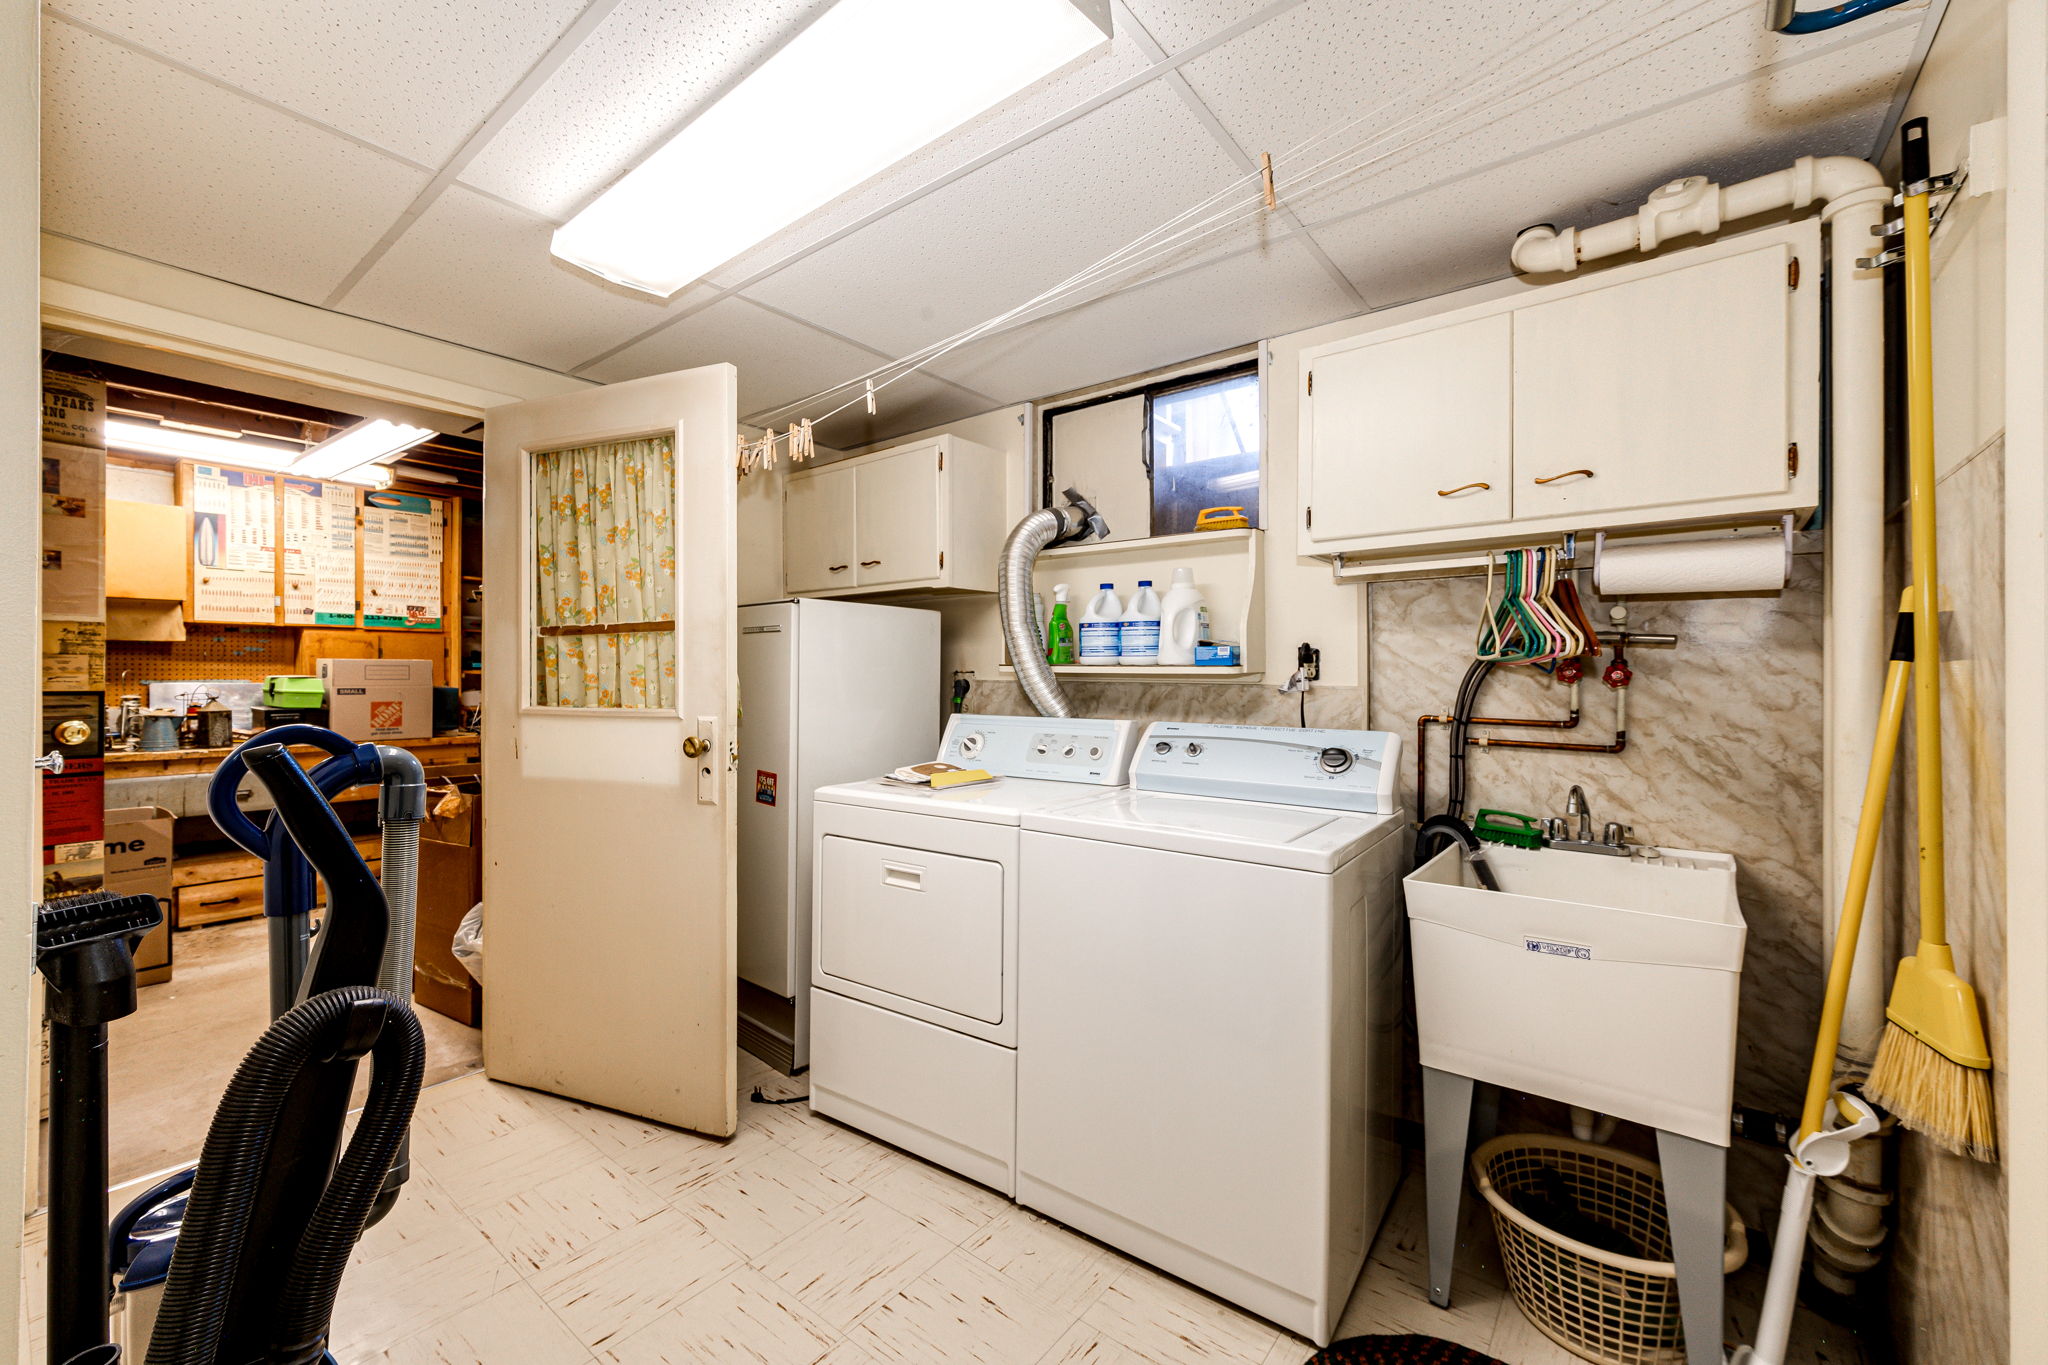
1016 598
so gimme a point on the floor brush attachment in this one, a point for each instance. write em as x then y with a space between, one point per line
79 919
1933 1070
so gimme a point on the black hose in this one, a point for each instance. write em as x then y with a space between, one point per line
239 1147
399 1058
1438 830
1461 725
351 946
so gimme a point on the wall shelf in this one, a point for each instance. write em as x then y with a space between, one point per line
1227 567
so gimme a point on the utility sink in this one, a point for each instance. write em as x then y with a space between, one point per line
1607 982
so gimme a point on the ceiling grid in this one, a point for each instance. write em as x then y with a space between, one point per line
428 204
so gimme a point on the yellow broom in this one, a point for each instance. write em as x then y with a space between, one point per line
1933 1068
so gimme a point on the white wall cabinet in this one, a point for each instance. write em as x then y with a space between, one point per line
921 517
1681 389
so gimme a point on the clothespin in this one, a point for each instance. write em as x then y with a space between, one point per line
871 398
1266 175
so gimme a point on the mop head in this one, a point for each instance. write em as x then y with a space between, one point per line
1933 1070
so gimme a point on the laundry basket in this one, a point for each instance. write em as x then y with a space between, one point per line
1619 1310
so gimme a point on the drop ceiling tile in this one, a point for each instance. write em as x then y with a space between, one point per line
995 238
475 271
1240 298
779 359
1179 24
649 67
1459 233
1445 88
1084 79
146 159
912 404
412 78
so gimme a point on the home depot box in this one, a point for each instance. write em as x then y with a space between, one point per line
380 698
139 864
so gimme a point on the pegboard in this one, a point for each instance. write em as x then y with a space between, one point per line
207 651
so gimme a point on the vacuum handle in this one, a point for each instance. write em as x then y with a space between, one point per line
351 950
227 779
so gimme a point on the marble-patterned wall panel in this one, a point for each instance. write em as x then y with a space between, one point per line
1949 1267
1341 708
1724 753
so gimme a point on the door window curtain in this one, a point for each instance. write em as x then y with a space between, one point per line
604 535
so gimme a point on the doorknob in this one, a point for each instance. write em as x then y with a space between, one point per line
694 747
52 763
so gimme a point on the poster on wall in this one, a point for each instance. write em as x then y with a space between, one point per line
234 546
401 561
319 548
74 481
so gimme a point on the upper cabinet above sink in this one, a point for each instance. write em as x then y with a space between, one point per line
1677 390
926 516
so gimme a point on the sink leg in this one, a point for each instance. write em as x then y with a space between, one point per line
1695 1179
1446 1120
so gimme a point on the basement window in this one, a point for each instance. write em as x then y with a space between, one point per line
1153 458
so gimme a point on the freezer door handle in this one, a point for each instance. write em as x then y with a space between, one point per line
903 876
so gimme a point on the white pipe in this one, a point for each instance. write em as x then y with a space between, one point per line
1781 1289
1855 198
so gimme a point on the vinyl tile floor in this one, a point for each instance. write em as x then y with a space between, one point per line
169 1061
536 1229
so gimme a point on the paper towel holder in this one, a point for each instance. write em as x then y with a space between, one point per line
1734 533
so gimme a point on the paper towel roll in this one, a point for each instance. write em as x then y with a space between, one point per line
1723 564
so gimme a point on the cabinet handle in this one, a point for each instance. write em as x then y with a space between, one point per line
869 563
835 568
1566 475
1447 492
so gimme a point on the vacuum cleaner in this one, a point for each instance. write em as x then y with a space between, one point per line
237 1260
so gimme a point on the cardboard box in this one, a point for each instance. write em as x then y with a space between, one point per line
139 863
380 698
451 881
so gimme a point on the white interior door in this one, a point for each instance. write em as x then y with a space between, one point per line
610 839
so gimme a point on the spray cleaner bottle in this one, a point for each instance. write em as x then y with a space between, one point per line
1059 632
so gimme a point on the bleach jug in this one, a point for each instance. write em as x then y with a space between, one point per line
1102 622
1180 619
1138 640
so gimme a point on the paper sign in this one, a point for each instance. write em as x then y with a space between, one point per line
319 551
234 549
402 561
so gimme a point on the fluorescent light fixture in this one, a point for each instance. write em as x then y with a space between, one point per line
151 439
868 83
364 443
366 476
421 474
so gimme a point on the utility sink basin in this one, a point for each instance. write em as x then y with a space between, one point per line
1607 982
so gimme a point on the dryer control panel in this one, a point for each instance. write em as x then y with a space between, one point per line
1051 748
1335 769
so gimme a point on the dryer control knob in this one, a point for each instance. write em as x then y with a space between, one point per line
1162 747
1194 749
1334 760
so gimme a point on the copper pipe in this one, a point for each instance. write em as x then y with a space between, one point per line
1422 724
1620 743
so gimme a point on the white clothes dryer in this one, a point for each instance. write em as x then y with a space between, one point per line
1210 1009
914 958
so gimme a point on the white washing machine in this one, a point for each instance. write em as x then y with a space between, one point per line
1210 1012
914 956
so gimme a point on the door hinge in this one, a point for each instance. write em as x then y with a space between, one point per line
942 460
1792 273
1309 517
1311 383
942 560
1792 460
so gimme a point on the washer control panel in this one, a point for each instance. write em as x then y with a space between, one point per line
1337 769
1052 748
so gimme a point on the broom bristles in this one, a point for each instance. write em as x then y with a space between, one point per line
1944 1101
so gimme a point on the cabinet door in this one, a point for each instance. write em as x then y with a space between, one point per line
1674 388
896 518
817 531
1411 433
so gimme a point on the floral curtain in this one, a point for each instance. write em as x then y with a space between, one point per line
605 555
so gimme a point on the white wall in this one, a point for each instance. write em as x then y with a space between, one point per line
20 413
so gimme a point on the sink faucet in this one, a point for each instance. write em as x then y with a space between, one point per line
1575 804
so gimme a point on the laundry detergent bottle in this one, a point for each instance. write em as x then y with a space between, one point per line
1180 619
1138 641
1102 624
1059 632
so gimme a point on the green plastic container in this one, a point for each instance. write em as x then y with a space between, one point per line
290 692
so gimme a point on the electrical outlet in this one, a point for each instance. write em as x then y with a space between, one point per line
1310 660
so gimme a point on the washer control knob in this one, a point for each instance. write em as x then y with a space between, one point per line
1067 752
970 744
1334 760
1162 747
1039 748
1194 749
1095 751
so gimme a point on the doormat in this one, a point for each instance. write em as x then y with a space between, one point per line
1398 1350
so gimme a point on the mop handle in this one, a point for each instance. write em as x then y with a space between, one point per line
1920 500
1820 1080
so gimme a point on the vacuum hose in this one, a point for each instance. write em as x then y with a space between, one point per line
239 1146
1015 597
